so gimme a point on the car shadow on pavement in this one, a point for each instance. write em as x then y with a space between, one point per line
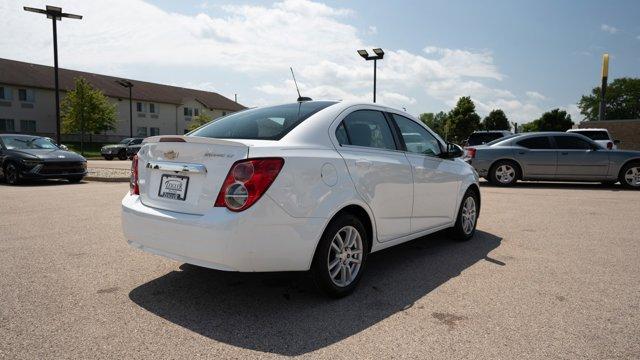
32 183
283 313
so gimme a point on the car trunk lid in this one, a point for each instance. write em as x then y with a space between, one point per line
185 173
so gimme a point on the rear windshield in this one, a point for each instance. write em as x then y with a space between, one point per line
267 123
483 138
594 135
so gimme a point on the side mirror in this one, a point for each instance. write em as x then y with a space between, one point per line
63 147
616 142
453 151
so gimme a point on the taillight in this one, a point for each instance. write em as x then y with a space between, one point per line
247 181
133 180
609 145
471 153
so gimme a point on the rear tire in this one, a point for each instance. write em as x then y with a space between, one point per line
122 155
11 174
108 157
504 173
467 220
340 257
630 175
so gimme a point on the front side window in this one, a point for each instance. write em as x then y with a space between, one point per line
572 143
139 141
536 143
368 128
267 123
417 139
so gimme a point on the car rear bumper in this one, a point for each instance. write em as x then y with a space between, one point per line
262 238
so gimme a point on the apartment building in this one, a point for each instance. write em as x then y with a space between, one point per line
27 102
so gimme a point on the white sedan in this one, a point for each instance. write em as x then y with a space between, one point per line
314 185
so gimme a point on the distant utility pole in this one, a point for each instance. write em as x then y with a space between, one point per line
603 88
55 14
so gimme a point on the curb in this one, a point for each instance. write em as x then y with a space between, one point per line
106 179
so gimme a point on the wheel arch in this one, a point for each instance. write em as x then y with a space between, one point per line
625 164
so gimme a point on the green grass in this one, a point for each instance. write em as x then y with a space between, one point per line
91 151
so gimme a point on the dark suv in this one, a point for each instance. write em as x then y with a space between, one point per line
119 150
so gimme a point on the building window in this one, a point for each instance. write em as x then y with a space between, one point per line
154 131
188 111
142 131
7 125
196 111
152 108
140 107
5 93
28 126
26 95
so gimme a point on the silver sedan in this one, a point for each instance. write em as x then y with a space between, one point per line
554 156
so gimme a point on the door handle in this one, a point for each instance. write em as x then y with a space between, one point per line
522 152
363 163
564 153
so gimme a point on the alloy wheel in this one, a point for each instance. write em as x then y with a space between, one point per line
345 256
469 215
505 173
632 176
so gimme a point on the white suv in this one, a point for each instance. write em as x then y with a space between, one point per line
600 136
315 185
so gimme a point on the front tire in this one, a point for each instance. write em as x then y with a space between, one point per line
465 226
122 155
12 174
108 157
630 176
75 179
504 173
341 256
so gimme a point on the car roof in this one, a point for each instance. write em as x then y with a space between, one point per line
587 129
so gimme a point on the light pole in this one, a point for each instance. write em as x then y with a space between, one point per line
128 84
55 14
379 54
602 111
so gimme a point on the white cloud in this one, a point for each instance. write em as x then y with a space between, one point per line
534 95
609 29
372 30
638 37
259 43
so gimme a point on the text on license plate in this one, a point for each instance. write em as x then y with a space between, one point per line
173 187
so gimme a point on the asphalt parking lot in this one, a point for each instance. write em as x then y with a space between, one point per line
554 272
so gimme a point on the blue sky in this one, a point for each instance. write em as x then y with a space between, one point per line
523 56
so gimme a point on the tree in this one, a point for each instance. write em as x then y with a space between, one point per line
200 120
622 98
554 120
462 120
86 110
496 120
435 122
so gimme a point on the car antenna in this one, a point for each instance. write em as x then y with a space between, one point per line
300 97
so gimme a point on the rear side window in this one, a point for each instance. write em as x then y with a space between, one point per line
571 143
483 138
268 123
538 142
594 135
368 128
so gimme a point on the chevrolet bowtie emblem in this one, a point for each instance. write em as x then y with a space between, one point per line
170 155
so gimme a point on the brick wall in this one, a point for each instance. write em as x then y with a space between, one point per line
627 131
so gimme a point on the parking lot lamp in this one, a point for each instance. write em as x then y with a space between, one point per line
55 14
602 112
128 84
379 54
